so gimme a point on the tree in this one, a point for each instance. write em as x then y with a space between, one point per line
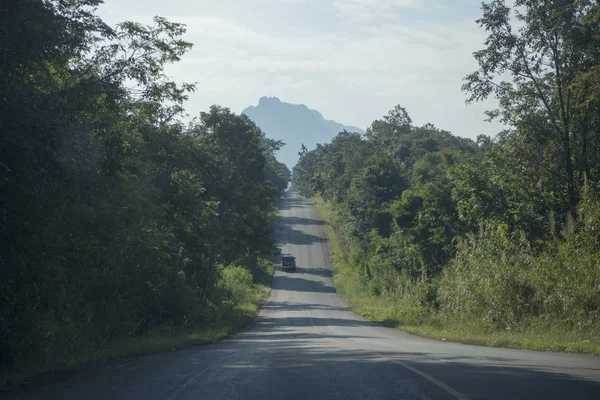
115 217
543 58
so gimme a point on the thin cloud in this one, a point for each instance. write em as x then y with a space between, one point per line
352 73
367 10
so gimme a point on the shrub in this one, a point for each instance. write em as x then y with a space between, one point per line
496 276
237 281
490 278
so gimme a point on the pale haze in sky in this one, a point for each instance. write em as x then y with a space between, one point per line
352 60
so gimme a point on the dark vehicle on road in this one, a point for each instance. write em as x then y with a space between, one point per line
288 262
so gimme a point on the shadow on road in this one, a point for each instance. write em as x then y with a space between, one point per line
287 306
269 362
299 284
288 203
289 235
272 323
324 272
299 221
291 353
294 337
321 372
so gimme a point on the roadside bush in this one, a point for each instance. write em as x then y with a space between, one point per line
237 282
496 277
114 214
568 271
490 278
381 277
567 276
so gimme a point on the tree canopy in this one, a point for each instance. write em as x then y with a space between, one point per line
115 216
498 229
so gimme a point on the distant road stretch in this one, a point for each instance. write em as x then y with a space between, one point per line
306 344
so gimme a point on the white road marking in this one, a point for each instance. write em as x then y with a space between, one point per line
435 381
454 393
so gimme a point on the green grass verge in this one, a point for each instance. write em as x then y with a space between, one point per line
165 338
534 336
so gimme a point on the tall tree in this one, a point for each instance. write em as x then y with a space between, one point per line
537 44
115 218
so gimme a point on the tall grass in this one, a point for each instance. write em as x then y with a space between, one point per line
497 276
496 291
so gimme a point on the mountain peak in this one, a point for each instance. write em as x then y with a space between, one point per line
295 124
268 100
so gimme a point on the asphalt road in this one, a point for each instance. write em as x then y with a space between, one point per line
306 344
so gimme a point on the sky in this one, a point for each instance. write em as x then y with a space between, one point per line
352 60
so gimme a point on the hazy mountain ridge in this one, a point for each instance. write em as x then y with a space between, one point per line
295 124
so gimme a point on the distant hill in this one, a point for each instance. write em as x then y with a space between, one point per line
295 124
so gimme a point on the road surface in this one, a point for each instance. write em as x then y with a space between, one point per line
306 344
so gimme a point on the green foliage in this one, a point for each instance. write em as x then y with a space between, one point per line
497 277
490 278
408 200
532 259
237 281
504 189
115 218
393 191
548 58
408 311
370 288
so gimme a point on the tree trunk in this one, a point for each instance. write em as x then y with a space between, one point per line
585 166
569 170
